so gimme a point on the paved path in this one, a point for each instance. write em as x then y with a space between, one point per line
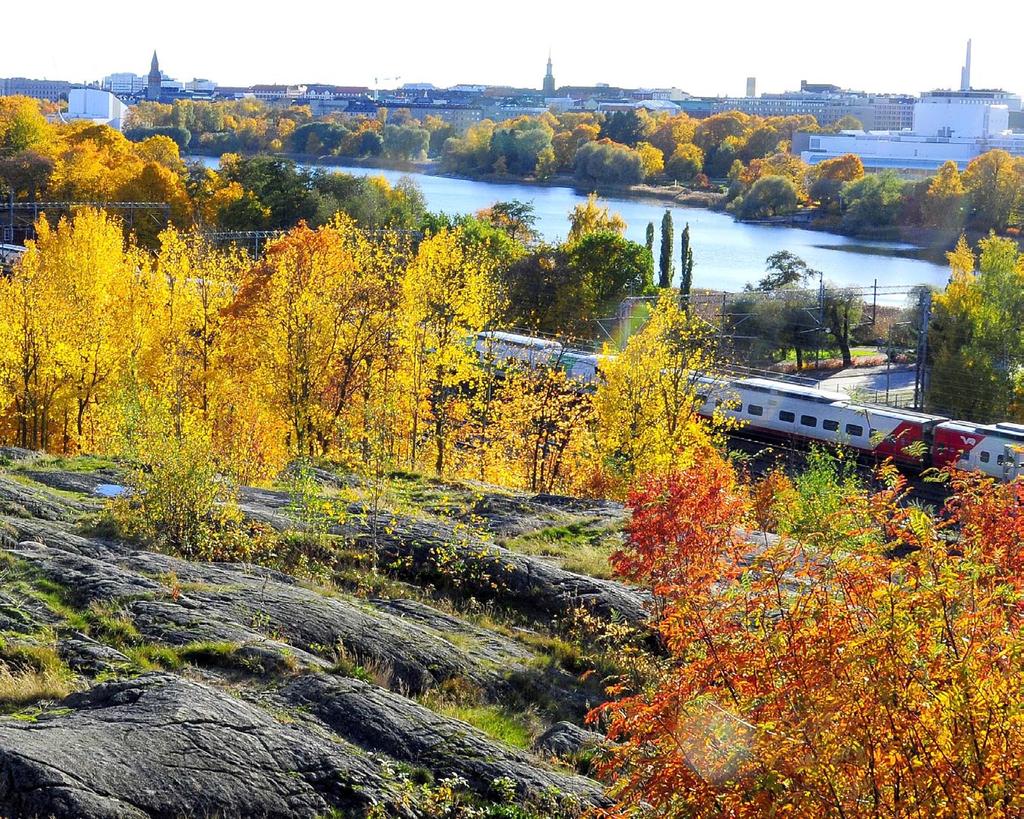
899 378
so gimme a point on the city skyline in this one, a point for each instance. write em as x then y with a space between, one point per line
911 52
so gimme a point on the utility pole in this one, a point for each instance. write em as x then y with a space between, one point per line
921 368
821 319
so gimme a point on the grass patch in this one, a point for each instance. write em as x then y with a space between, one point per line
155 657
76 463
30 672
579 547
516 729
462 699
208 653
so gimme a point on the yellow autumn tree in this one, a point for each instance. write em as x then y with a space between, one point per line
183 361
646 404
652 159
539 429
303 327
73 300
944 204
448 295
591 217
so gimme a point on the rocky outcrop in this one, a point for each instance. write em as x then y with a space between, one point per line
435 550
564 739
19 500
160 745
265 705
381 721
258 607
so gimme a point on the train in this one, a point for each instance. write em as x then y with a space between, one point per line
794 413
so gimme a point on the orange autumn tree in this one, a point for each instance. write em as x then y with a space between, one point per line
865 664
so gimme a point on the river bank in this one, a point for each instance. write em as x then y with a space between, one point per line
728 254
676 194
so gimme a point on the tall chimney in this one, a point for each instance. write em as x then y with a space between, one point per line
965 72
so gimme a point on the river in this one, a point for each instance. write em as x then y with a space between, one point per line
727 254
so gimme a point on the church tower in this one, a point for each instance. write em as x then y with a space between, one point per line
549 80
153 86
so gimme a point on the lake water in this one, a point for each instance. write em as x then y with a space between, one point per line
727 254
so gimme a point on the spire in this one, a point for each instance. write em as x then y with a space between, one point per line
549 79
153 86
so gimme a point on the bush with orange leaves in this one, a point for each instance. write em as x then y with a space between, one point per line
871 667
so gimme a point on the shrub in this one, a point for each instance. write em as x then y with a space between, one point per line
863 667
177 500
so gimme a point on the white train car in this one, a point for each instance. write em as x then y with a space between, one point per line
996 450
792 411
581 366
500 347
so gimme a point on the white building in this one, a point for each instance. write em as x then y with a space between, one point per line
201 86
124 83
101 107
948 126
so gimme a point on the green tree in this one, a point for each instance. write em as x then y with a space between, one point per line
649 241
22 125
666 270
520 145
784 269
685 266
599 163
976 341
624 127
873 201
609 267
515 218
768 196
406 142
843 311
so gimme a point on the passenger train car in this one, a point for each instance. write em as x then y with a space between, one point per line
499 347
996 449
790 411
776 410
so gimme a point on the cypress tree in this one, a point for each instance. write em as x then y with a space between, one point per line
686 267
666 268
650 245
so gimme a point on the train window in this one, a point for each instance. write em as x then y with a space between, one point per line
855 430
985 457
701 398
830 425
1000 459
786 415
754 409
808 421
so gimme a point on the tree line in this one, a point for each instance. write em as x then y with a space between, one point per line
339 343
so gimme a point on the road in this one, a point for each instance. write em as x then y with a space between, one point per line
871 383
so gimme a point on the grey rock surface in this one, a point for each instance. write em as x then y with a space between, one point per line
565 739
162 746
258 719
379 720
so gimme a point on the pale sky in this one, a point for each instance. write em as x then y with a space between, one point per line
701 46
